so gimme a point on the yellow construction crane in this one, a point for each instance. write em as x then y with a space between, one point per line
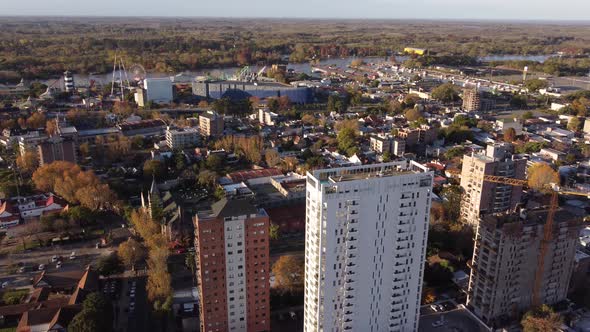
548 229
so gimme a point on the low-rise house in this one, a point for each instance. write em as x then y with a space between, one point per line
503 124
33 207
552 154
9 215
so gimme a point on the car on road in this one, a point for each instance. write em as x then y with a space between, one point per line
5 284
54 259
41 267
73 255
58 265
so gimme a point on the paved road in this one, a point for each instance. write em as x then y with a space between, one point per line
86 253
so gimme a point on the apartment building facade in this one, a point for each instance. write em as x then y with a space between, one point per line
56 149
180 138
366 233
505 263
382 144
422 135
232 256
483 196
211 124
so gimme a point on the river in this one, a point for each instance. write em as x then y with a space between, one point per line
83 79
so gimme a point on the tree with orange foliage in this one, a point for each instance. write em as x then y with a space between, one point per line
289 272
44 178
122 108
27 162
541 175
428 295
509 135
74 185
37 120
51 127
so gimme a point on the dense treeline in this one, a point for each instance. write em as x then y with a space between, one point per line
44 47
553 66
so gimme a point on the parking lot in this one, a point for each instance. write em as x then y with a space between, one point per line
457 319
129 298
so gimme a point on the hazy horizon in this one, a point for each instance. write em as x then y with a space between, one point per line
498 10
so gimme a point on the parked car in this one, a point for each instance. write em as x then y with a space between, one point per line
54 259
58 265
41 267
73 255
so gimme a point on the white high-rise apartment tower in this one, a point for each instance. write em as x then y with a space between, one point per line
366 236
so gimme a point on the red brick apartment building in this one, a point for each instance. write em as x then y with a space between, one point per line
232 253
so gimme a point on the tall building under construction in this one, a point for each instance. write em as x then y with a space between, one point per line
507 269
471 100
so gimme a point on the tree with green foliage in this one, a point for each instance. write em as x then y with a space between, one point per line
451 196
85 321
535 84
11 297
412 114
190 263
456 134
446 93
527 115
347 141
110 264
207 178
336 104
530 147
274 231
179 160
463 120
454 152
386 157
153 168
215 163
96 315
519 101
574 124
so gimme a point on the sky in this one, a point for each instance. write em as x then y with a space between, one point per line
370 9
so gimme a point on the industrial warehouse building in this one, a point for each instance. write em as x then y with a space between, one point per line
219 89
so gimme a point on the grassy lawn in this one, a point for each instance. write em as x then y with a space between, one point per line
8 329
14 296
